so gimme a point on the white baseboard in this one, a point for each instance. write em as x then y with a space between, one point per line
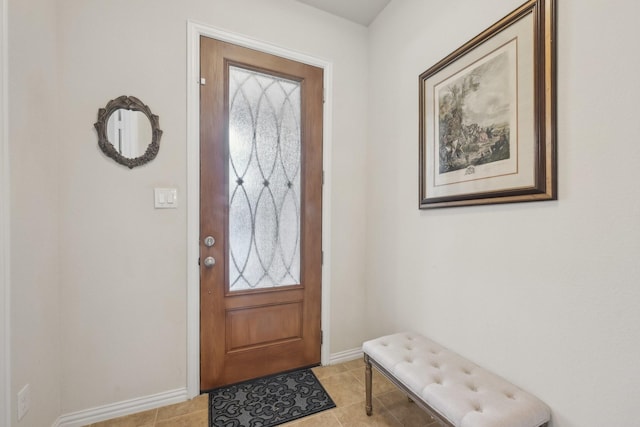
345 356
132 406
120 409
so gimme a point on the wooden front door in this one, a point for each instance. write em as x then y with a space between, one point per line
260 214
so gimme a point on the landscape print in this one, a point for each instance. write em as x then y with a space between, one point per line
474 113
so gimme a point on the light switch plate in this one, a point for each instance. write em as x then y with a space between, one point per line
165 198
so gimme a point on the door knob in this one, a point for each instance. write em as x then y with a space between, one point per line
209 261
209 241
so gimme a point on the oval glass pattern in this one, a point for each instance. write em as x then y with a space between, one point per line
264 180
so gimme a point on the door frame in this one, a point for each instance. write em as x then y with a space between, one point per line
194 31
5 248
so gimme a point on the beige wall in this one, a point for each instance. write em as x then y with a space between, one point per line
4 223
34 156
123 264
99 276
546 294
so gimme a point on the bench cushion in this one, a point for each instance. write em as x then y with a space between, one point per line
461 392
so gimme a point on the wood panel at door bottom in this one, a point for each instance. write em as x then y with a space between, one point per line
253 327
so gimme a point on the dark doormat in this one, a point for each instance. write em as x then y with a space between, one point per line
268 401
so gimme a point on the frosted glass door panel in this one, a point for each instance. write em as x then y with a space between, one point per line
264 180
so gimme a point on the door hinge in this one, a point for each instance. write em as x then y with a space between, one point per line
321 258
203 81
321 337
322 177
324 94
198 260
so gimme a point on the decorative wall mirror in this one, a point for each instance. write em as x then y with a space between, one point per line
128 131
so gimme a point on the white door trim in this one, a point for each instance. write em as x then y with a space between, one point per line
194 31
5 194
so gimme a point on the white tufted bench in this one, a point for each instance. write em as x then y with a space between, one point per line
453 390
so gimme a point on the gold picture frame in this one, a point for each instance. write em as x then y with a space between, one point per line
488 115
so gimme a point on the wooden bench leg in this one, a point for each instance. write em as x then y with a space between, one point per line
367 382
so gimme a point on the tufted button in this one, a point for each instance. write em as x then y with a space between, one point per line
408 360
466 371
510 396
477 408
408 347
472 387
438 381
435 365
384 344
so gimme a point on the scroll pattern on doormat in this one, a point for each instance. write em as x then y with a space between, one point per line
268 401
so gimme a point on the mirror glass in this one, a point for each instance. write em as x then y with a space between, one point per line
129 132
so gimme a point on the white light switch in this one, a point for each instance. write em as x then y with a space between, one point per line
166 198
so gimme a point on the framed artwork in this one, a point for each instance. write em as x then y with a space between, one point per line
488 115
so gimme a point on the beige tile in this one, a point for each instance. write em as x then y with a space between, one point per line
323 419
344 382
408 413
380 383
327 371
344 389
198 403
354 364
141 419
355 415
194 419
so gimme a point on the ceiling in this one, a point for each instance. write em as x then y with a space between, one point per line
361 11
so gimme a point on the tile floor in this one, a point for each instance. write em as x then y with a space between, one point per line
343 382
